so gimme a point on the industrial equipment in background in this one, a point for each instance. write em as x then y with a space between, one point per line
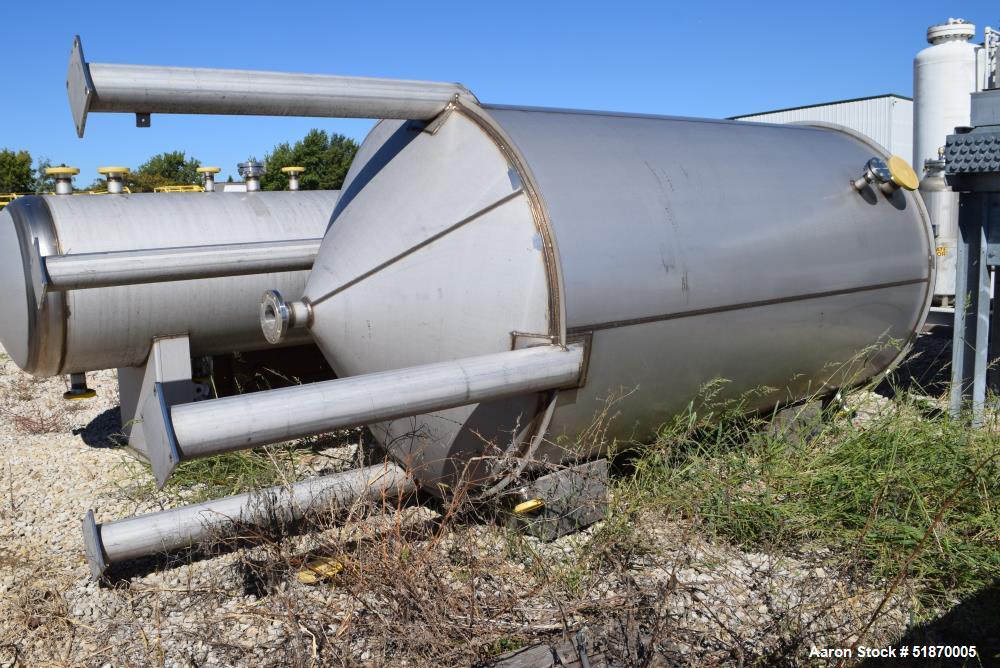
944 75
972 166
492 278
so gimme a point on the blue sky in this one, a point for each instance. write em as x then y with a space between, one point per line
710 59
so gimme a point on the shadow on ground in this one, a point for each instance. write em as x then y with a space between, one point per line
974 621
104 431
926 369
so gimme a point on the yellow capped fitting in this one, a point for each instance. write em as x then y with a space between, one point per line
901 173
112 170
530 506
292 170
61 171
322 568
208 170
76 395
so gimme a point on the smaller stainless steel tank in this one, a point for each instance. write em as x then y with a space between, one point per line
107 327
942 206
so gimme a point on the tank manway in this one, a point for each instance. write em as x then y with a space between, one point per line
207 428
179 528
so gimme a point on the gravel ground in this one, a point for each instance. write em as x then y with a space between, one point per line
57 462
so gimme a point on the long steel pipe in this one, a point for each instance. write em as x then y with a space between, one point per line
189 90
158 533
207 428
157 265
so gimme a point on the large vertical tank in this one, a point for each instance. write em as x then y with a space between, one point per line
944 75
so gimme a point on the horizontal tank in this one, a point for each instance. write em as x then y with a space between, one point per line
107 327
676 250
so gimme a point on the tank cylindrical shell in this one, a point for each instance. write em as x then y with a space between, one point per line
682 250
88 329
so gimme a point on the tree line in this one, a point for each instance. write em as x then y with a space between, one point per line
326 158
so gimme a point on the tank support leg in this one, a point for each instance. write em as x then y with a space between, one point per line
168 364
972 348
160 533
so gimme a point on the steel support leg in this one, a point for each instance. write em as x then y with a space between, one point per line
970 354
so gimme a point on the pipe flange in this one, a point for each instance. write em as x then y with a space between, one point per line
275 317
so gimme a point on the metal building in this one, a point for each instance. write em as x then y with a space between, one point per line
886 119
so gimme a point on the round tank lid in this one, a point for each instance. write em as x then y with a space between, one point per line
112 170
901 173
292 170
953 30
61 171
208 170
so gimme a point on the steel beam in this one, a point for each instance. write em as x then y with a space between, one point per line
159 533
207 428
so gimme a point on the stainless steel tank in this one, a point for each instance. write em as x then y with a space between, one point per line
677 250
942 205
107 327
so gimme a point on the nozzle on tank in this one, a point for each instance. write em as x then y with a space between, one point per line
293 176
277 316
64 178
208 173
116 178
78 388
888 175
251 171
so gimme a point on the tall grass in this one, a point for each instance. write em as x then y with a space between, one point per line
867 491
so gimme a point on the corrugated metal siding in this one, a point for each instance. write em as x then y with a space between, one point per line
888 120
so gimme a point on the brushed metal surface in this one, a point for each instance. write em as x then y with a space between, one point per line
114 326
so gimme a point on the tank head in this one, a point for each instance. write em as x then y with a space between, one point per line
955 30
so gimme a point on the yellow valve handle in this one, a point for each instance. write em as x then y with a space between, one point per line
292 170
208 170
526 507
902 174
112 170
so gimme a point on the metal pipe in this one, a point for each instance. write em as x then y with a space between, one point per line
157 265
123 540
187 90
207 428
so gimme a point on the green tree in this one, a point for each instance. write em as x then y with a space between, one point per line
172 168
41 182
326 159
16 175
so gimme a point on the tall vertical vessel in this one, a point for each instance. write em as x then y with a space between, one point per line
944 75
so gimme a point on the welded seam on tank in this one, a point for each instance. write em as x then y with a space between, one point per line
553 279
413 249
738 307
